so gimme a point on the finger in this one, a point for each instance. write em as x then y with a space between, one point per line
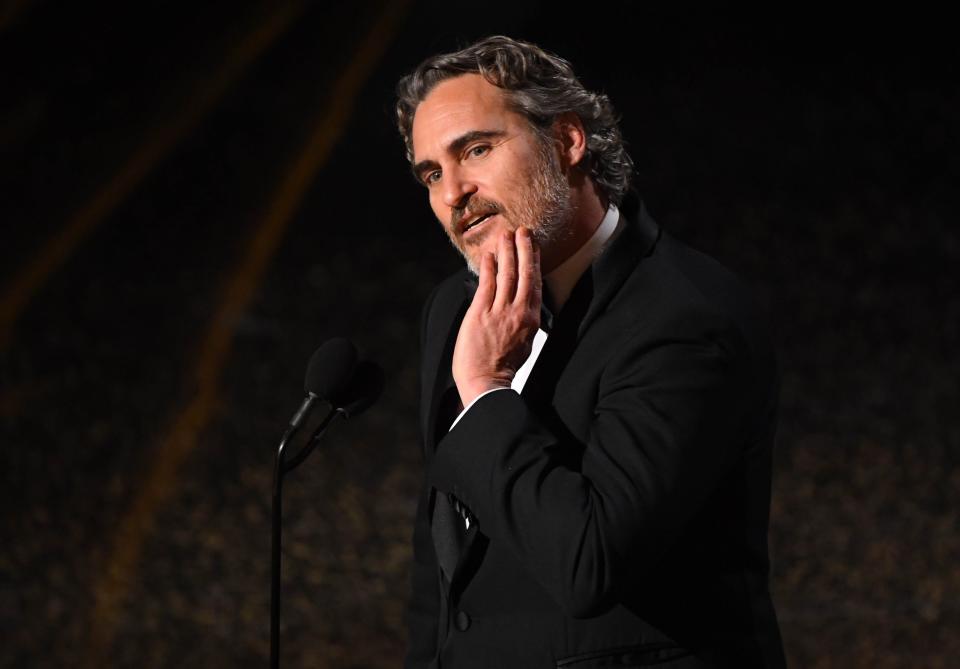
486 284
529 282
506 271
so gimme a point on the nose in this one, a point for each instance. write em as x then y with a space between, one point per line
457 188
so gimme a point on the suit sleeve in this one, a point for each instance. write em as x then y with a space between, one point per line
423 610
663 434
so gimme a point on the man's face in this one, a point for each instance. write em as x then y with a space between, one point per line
485 168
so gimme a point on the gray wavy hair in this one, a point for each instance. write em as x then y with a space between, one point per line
540 86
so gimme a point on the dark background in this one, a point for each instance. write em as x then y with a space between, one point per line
152 345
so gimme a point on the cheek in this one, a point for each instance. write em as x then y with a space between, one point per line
439 210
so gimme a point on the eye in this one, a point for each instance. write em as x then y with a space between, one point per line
431 177
478 150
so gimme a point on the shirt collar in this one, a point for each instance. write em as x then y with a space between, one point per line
561 280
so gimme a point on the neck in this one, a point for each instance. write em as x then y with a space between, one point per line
588 208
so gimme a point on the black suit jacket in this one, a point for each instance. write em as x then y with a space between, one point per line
620 504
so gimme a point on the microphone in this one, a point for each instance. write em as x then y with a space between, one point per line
330 368
329 372
356 396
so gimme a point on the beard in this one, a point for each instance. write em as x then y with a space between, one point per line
542 206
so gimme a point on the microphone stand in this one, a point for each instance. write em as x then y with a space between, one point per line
280 468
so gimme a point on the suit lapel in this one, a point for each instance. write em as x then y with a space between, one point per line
538 389
471 555
635 238
443 394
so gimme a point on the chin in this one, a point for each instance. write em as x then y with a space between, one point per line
487 243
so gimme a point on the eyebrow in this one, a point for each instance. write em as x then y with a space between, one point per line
455 147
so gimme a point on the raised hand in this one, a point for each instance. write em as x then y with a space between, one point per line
497 332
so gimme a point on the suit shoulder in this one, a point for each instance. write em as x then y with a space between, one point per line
696 281
680 292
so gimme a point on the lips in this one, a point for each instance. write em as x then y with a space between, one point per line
477 221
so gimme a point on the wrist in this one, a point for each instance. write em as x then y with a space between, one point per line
470 391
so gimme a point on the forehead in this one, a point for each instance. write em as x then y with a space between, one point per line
456 106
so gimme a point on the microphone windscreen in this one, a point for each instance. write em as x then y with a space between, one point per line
363 390
331 368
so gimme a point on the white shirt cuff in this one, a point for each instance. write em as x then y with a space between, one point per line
467 408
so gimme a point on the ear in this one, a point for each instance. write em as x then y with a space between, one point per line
571 138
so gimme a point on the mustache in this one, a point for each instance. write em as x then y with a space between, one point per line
474 207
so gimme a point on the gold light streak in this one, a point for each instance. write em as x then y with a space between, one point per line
31 277
184 431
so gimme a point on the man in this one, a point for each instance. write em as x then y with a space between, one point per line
598 471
